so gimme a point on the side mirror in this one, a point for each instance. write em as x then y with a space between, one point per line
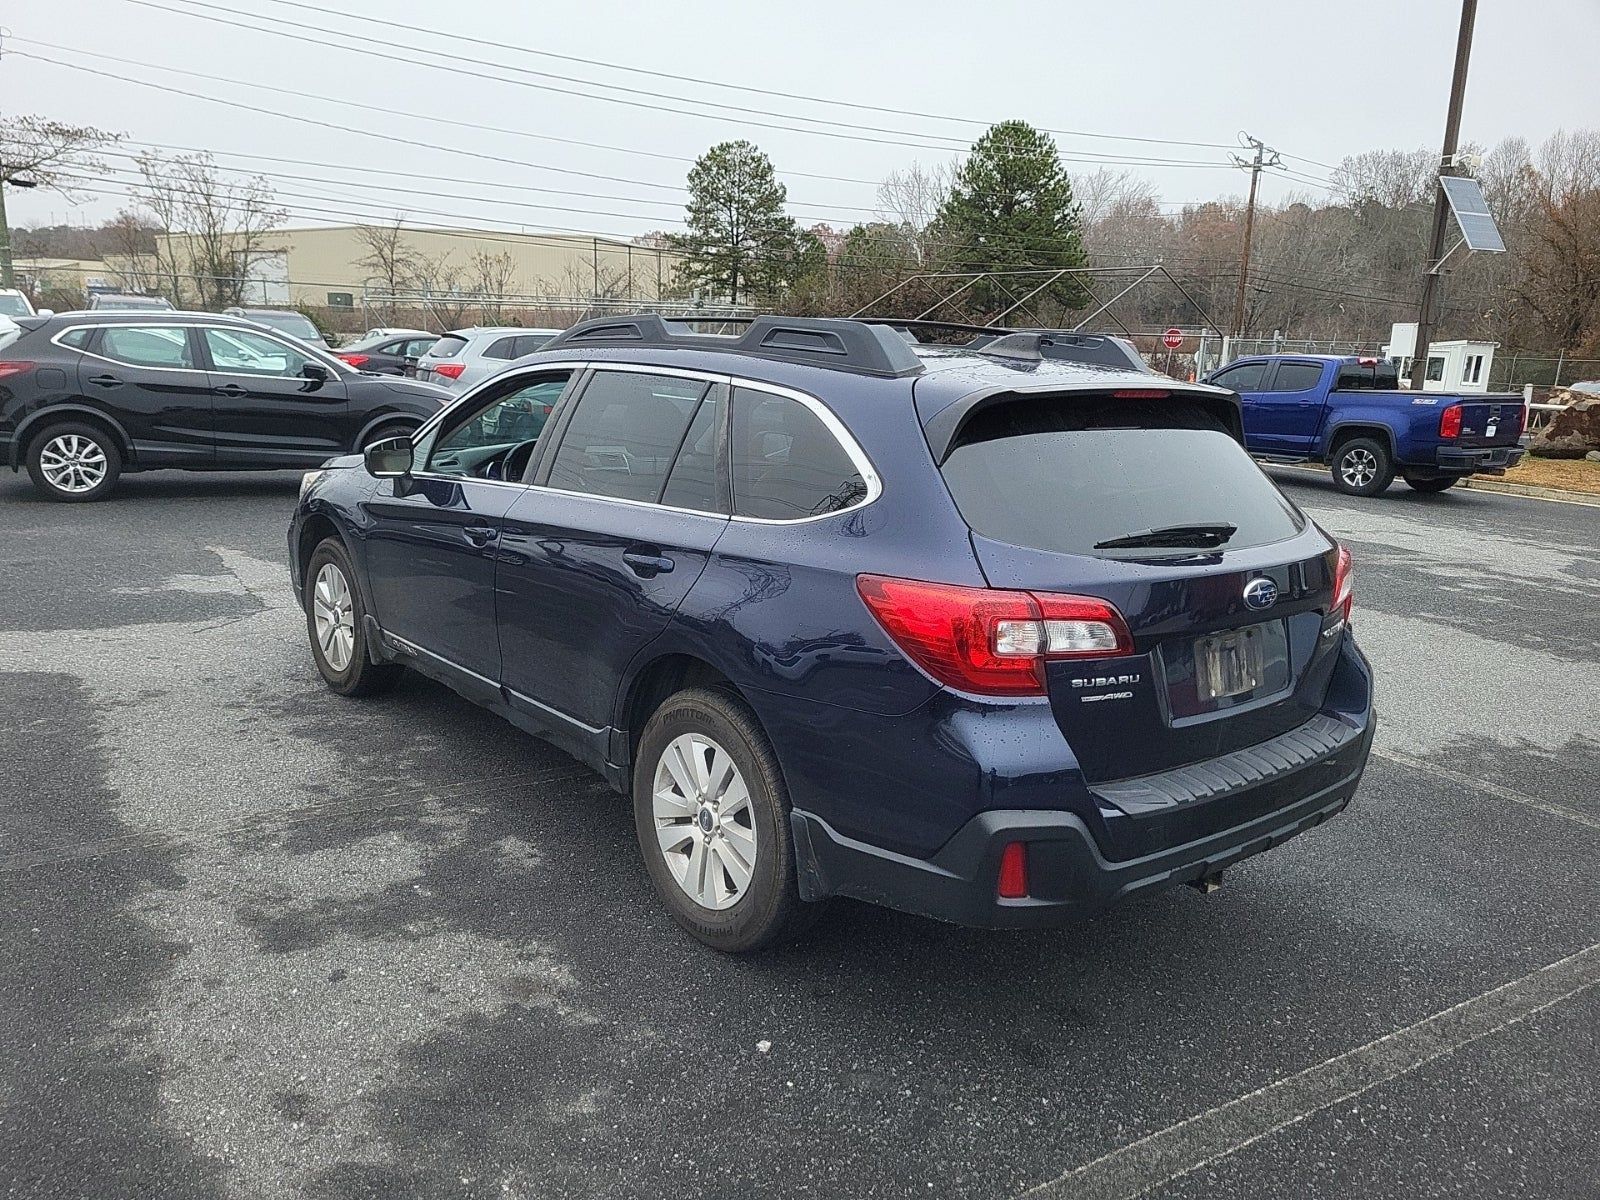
388 459
317 372
45 312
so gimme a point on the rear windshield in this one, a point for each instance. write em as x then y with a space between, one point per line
1063 473
447 347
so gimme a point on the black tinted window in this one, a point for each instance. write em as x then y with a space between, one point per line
624 434
76 338
1062 473
1243 378
1297 377
447 347
786 464
147 345
505 347
531 343
693 482
1383 376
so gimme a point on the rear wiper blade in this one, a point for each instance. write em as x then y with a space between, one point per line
1173 535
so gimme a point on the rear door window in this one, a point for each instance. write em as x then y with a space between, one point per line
505 347
787 464
1296 377
693 481
1246 377
1062 473
148 346
625 434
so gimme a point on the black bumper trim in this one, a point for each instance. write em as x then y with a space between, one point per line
1492 458
1069 876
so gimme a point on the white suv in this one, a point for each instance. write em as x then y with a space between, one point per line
14 303
464 356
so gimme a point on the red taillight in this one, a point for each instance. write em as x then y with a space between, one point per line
355 360
1364 361
1343 585
14 367
1450 422
1013 871
449 370
988 641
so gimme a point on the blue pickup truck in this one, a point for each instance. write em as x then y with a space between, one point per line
1352 414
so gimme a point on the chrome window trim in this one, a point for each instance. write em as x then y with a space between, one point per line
835 427
339 368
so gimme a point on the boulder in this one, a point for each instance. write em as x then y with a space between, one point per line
1573 433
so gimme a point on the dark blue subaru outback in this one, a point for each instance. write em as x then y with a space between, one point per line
992 632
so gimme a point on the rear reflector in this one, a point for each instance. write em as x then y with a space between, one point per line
14 367
1450 422
1014 871
355 360
449 370
988 641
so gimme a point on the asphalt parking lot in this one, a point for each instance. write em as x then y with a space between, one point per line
260 941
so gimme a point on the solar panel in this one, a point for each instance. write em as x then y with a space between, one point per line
1472 213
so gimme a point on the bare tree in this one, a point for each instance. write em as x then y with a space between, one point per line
132 247
215 228
492 275
912 199
445 293
393 264
52 154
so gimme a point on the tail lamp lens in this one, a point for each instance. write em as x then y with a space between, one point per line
1013 884
1450 422
1343 585
14 367
355 360
990 641
450 370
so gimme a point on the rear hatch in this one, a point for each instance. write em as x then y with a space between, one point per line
1228 600
438 365
1493 421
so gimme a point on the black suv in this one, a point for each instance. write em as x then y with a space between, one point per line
85 396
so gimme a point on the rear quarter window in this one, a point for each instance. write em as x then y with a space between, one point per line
787 464
1062 473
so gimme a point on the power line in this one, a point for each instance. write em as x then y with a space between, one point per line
741 112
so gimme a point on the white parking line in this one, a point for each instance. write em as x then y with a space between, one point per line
1212 1135
1492 789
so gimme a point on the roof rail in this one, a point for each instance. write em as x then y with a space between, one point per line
925 331
835 342
1093 349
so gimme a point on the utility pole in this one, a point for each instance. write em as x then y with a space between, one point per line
5 228
1255 166
1441 207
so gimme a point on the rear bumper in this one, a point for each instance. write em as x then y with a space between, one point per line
1492 458
1069 875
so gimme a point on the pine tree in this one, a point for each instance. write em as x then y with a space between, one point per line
740 245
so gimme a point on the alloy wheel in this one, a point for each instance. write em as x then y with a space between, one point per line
1358 467
334 614
704 821
73 463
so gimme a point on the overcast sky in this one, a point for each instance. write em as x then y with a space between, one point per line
1316 80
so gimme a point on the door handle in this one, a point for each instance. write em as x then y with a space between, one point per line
106 381
647 563
479 535
228 389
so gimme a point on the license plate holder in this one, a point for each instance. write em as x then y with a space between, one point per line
1230 663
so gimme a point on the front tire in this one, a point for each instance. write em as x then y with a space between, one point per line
1438 483
337 628
74 462
1362 467
712 816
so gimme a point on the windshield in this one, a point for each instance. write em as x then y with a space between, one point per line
287 322
14 306
1068 474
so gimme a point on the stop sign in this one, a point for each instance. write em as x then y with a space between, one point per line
1172 338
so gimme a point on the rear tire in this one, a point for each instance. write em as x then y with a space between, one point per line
1362 467
1439 483
336 625
708 796
74 462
